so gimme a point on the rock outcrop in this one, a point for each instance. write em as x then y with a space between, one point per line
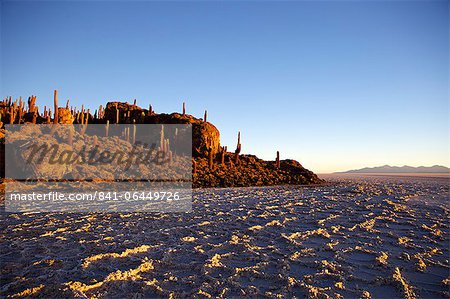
251 171
213 165
205 136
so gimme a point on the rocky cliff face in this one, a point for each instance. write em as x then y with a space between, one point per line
251 171
205 136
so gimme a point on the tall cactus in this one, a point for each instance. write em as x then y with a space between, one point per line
150 110
238 149
211 160
127 134
82 117
48 116
35 113
133 139
11 114
20 114
31 103
222 155
55 106
278 160
107 128
161 138
117 114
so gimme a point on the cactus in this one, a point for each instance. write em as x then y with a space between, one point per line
127 134
222 155
48 116
161 140
55 104
31 103
107 128
11 115
184 108
206 116
166 146
117 114
20 114
133 140
278 160
211 160
238 149
34 116
84 122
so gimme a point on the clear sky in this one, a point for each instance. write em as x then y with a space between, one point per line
334 84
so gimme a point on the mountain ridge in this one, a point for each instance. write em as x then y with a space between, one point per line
400 169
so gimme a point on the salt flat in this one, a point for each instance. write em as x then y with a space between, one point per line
357 237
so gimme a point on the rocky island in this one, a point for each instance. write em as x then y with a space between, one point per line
213 164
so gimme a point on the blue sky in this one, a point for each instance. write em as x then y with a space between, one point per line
334 84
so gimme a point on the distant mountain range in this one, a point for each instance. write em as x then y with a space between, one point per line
404 169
